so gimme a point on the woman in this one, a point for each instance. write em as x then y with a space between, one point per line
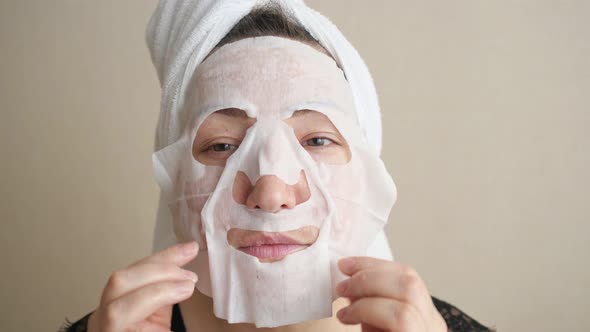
155 294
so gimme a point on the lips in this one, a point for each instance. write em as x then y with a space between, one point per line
272 246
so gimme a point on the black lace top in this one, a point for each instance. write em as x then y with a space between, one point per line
457 321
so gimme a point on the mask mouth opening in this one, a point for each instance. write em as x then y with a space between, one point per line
271 247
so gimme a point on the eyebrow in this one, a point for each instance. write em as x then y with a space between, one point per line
239 113
233 112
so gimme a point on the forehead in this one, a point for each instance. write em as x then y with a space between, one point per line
271 76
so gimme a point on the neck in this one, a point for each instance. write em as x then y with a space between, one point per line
197 314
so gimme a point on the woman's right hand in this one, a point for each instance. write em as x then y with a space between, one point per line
140 297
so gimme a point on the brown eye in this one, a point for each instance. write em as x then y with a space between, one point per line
318 141
221 147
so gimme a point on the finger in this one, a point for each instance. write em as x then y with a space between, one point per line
382 313
146 326
368 328
402 284
137 305
179 254
353 264
136 276
162 316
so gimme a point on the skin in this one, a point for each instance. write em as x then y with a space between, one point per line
379 295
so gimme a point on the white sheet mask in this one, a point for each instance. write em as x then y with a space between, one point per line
270 78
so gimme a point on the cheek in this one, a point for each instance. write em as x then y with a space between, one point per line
186 212
195 205
223 213
346 208
353 227
205 184
336 155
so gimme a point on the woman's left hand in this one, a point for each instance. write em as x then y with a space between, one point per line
386 296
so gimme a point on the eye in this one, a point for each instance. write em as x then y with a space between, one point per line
318 141
215 152
221 147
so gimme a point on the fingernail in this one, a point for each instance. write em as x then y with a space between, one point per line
342 287
346 264
184 287
189 248
342 313
190 275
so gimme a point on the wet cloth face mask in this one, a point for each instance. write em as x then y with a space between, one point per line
346 204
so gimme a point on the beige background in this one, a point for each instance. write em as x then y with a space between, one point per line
486 109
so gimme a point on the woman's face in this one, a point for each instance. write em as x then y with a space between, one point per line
278 86
221 134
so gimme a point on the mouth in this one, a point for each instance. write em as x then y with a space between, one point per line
272 246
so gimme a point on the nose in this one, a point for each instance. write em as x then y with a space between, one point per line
270 193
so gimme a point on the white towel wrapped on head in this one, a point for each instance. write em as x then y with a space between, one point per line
181 33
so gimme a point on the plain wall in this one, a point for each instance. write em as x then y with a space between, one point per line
486 113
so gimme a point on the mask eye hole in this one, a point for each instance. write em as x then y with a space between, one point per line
220 135
319 137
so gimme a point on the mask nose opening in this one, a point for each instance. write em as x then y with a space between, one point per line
270 193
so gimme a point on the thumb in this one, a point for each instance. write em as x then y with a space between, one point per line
369 328
162 317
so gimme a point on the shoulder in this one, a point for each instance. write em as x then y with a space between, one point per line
457 320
